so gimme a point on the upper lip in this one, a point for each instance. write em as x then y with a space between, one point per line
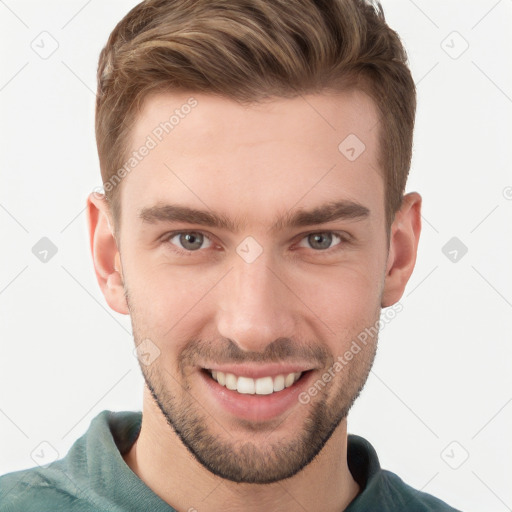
258 371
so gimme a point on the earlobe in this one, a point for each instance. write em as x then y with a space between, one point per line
105 253
403 248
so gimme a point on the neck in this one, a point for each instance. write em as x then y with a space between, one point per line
163 463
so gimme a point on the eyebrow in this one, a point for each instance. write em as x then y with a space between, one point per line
332 211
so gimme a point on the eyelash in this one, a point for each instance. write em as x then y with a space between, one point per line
343 237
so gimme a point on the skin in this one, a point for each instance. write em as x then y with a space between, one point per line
296 302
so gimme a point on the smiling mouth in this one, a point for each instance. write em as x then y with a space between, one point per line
260 386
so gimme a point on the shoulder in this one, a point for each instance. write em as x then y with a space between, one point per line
76 482
382 489
32 490
400 496
48 489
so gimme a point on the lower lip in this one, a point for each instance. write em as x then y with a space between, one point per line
256 408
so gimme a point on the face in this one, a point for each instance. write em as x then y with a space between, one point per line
253 252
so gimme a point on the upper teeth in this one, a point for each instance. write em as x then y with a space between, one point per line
261 386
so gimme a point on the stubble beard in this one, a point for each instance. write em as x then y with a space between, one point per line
244 461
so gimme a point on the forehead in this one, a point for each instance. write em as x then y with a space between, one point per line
253 160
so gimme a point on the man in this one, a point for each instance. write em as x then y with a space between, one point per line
254 157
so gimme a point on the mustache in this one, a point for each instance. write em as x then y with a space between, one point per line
226 351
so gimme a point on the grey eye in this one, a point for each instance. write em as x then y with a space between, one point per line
320 241
190 240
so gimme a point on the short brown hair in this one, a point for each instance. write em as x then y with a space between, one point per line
250 50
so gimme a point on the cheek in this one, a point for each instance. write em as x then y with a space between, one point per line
168 303
344 298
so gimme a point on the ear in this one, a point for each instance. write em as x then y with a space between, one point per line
105 253
403 247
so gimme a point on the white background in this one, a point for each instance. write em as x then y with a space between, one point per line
441 387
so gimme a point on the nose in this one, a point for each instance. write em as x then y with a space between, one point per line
255 305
